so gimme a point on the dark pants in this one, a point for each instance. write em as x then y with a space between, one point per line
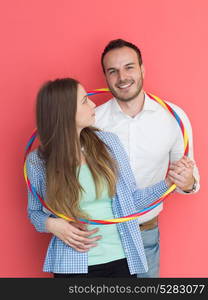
116 268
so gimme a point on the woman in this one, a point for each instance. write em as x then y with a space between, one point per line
84 173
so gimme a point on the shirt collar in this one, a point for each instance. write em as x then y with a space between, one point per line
149 105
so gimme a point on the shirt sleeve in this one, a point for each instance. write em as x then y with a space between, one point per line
146 196
177 150
35 209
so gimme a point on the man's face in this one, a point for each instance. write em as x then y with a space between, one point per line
123 73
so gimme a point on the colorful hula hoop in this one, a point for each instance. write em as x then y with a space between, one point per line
121 219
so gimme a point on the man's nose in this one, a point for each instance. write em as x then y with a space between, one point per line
122 75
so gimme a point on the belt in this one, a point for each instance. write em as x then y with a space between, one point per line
149 224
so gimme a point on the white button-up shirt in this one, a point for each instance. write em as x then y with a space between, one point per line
151 139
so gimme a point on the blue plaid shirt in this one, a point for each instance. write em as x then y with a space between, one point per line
61 258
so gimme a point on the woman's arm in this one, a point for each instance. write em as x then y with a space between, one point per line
145 197
34 208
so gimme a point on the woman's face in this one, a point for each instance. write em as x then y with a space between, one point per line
85 115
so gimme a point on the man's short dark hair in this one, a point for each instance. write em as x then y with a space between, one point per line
119 43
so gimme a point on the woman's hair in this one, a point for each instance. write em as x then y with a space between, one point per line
60 148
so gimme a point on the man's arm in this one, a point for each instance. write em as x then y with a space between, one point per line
193 182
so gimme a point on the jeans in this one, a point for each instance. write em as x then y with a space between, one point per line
116 268
151 241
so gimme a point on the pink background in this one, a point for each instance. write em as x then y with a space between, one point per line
41 40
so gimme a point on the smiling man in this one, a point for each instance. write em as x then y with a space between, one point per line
151 137
124 75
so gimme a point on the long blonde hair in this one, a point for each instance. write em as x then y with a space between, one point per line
60 148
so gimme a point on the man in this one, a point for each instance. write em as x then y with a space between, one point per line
149 134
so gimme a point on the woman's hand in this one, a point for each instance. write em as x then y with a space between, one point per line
181 173
73 234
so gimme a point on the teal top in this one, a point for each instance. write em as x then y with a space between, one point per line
109 247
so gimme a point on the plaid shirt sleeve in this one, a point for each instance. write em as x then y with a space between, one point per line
35 209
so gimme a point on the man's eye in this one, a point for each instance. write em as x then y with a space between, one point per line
112 71
130 67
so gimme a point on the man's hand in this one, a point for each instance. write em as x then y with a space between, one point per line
181 173
73 234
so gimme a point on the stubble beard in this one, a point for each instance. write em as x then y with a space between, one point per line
127 99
